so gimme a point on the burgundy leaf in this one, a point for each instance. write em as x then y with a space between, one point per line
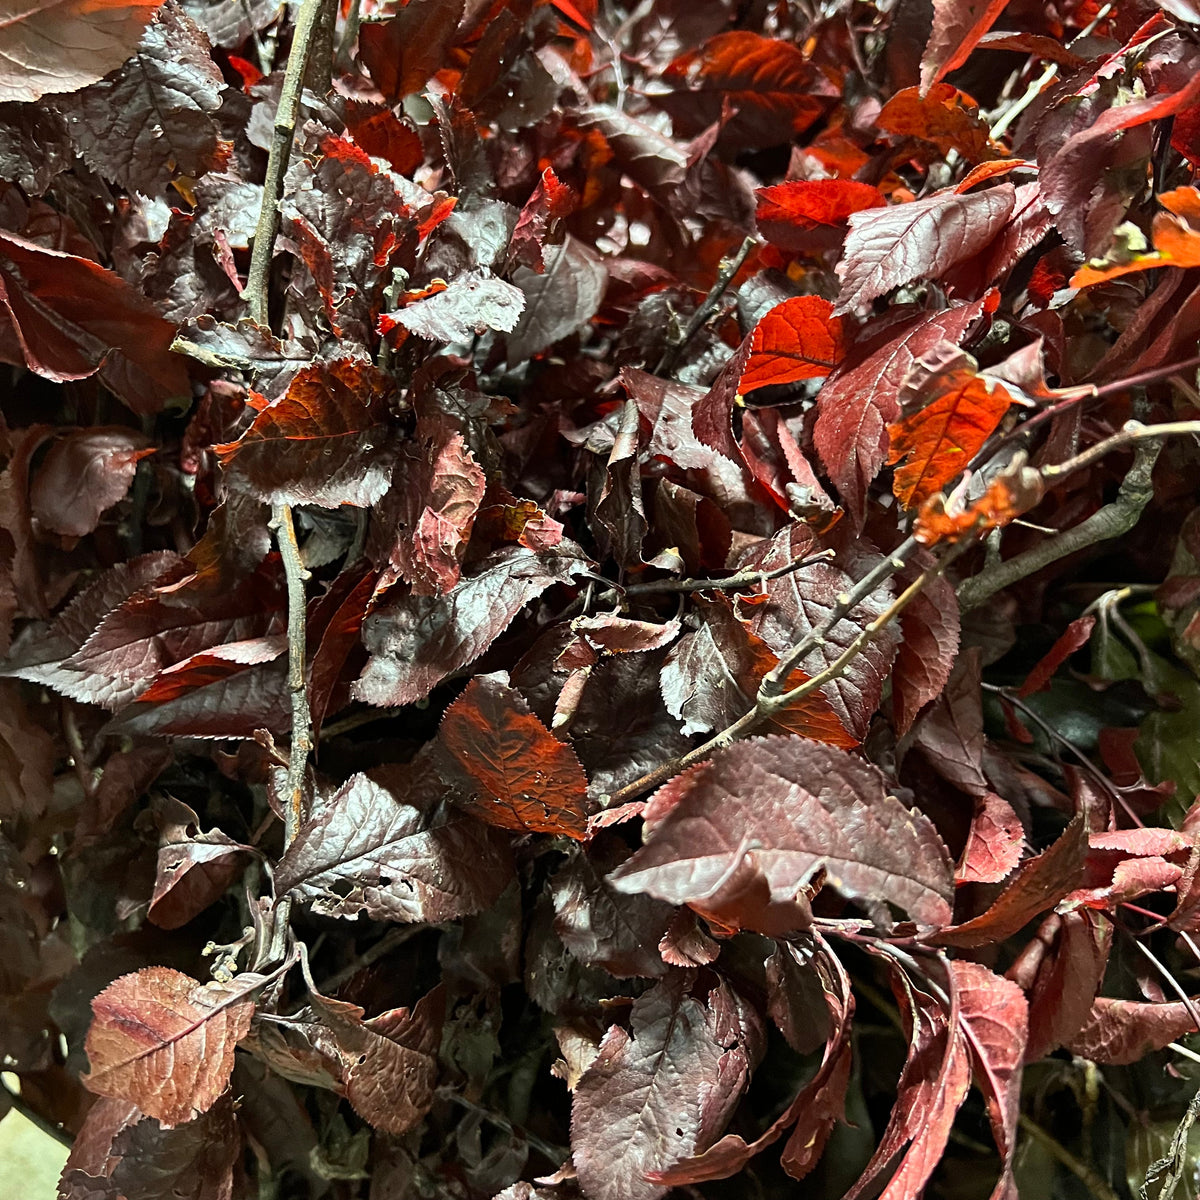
416 642
67 317
1039 884
156 115
403 53
1124 1031
950 734
929 630
637 1108
862 397
559 300
521 776
749 829
994 1018
429 511
368 849
994 844
603 927
165 1042
83 475
797 603
888 247
957 27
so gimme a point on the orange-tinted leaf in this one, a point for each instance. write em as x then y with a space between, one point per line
767 82
811 214
1007 497
527 779
957 27
943 116
322 443
63 45
164 1042
937 442
798 339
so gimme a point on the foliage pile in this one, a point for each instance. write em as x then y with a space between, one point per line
600 598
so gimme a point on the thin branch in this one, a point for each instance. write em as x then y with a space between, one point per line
1084 1173
1112 521
770 702
49 1128
1133 433
896 561
286 115
301 742
729 268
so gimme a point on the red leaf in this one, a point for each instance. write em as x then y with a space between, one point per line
943 116
1012 492
960 409
317 444
994 1018
164 1042
994 844
957 27
811 214
930 630
932 1086
71 318
1067 961
1124 1031
796 340
888 247
748 829
83 475
767 82
63 45
526 778
402 54
1038 884
862 397
382 134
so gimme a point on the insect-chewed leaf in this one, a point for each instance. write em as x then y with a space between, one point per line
63 45
862 397
777 809
1012 492
888 247
323 443
418 641
934 444
638 1107
526 779
473 303
806 214
164 1042
766 81
368 850
796 340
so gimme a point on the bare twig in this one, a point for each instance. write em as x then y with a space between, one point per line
301 742
1112 521
729 268
57 1132
1133 433
286 115
771 700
